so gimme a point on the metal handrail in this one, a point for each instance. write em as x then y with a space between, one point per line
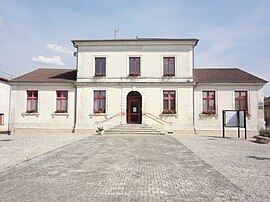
110 118
157 118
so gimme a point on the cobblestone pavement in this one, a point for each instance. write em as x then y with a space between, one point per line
118 168
244 162
17 148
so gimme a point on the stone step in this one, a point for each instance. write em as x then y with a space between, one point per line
133 129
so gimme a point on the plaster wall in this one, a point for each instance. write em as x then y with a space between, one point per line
4 104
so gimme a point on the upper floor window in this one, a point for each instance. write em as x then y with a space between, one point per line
32 101
99 101
209 105
169 102
169 66
241 100
134 66
100 66
61 101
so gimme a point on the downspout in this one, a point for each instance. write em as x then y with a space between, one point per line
75 86
194 84
9 110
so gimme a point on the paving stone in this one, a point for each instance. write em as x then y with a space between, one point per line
118 168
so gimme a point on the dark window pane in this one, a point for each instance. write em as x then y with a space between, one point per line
172 102
205 105
237 105
165 104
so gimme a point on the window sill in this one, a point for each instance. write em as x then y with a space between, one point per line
30 114
202 115
169 115
60 114
98 114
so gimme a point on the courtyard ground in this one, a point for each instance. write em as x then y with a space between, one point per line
69 167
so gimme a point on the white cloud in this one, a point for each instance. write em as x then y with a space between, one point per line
55 60
58 48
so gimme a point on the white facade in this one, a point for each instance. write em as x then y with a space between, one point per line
225 100
119 97
4 105
45 119
150 84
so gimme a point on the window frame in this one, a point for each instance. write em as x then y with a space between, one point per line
134 73
32 98
100 73
208 98
169 98
60 110
100 98
240 99
169 73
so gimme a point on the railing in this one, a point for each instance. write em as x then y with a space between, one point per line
157 119
110 118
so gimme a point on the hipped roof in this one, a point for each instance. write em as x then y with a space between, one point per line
201 75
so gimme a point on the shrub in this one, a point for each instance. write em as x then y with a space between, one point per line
264 133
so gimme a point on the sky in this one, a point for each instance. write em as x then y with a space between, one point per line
232 33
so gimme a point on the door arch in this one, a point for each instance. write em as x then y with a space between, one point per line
134 107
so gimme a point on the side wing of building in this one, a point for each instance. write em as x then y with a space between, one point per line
43 101
4 104
220 89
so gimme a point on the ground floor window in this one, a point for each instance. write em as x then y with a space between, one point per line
61 101
209 105
241 100
1 119
99 101
169 102
32 101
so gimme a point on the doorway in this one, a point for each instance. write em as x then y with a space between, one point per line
134 108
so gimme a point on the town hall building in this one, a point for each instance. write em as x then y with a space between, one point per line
149 81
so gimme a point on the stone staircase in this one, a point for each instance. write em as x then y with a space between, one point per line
133 129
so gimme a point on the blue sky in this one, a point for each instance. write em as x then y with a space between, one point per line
232 33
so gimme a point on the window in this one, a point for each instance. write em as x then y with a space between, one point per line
209 103
100 66
134 66
169 66
32 101
168 102
61 101
241 100
99 101
1 119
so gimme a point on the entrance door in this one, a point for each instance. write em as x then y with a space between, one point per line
134 111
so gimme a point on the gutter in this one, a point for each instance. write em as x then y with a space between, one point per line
193 96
